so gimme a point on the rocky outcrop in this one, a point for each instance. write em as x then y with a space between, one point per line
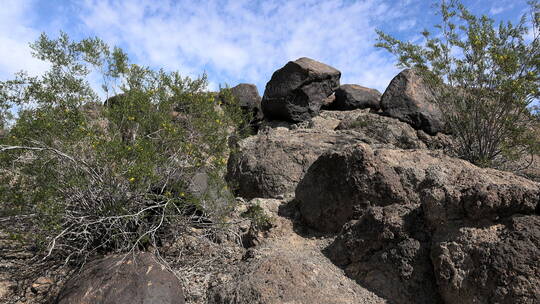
352 96
387 250
288 267
410 100
383 130
272 163
115 100
418 226
342 183
297 91
491 263
123 279
247 95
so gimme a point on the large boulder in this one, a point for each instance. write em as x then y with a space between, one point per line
493 263
271 164
352 96
344 182
115 100
250 102
409 218
387 250
297 91
410 100
123 279
247 95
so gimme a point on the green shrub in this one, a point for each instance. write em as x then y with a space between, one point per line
117 177
485 78
259 219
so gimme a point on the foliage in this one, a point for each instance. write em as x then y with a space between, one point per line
485 79
259 219
96 178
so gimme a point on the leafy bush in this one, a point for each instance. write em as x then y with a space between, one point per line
94 178
485 79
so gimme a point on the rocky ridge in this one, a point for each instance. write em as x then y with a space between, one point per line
361 201
399 214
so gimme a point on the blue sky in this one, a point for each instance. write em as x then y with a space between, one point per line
232 41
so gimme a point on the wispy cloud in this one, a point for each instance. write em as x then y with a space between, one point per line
497 10
245 41
406 24
232 40
15 35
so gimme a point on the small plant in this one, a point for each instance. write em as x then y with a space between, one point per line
360 122
259 219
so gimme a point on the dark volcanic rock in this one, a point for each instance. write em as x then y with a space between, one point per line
115 100
285 267
408 99
247 95
352 96
405 208
250 102
342 183
387 250
495 263
297 91
117 280
384 130
272 163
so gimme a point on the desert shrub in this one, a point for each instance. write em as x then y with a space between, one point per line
259 218
485 79
93 178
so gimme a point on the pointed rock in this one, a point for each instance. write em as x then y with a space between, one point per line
297 91
410 100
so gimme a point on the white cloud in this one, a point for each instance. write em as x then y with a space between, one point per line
15 35
406 24
246 40
497 10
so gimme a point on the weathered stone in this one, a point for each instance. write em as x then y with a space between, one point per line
387 251
342 183
297 91
250 102
409 99
272 163
352 96
115 100
123 279
247 95
384 130
494 263
395 200
286 267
